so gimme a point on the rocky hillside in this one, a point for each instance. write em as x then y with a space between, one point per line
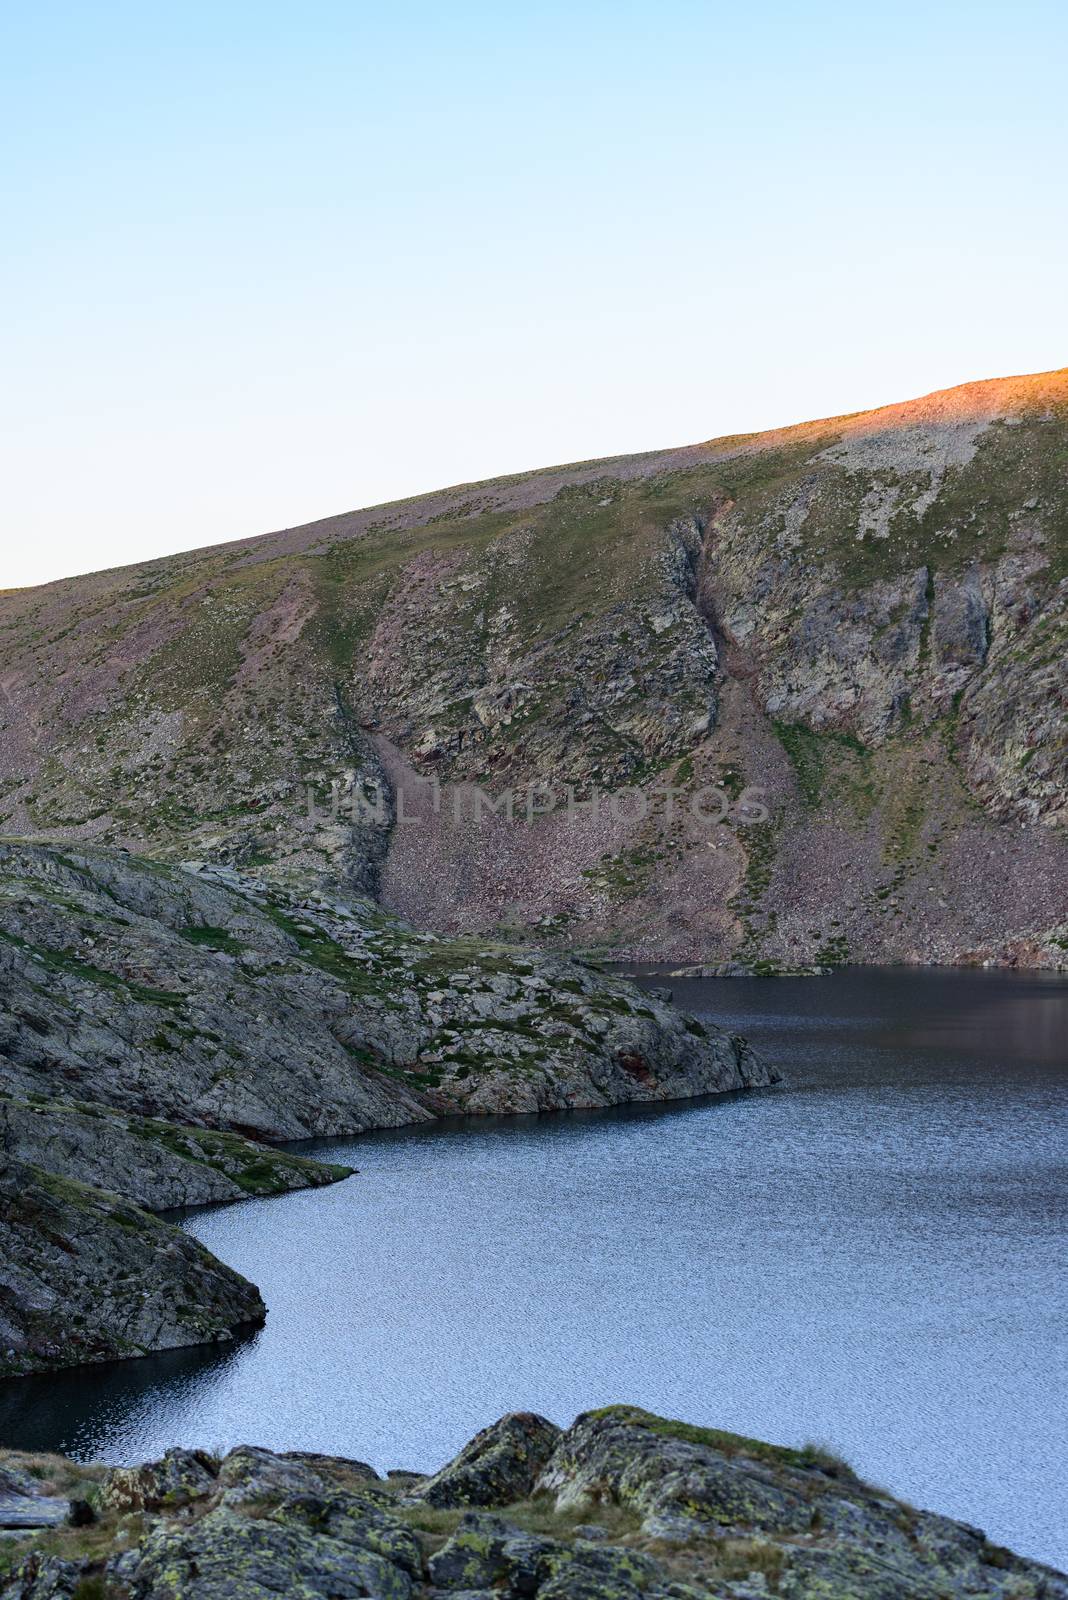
863 617
158 1024
622 1505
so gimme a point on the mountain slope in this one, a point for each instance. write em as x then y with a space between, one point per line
864 617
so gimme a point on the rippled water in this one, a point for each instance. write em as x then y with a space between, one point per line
872 1258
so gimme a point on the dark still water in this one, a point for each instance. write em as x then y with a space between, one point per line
872 1258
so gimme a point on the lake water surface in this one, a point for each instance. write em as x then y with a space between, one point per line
872 1258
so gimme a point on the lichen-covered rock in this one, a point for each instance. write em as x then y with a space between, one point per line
832 1533
487 1553
227 1556
676 1480
499 1465
249 1473
46 1577
181 1475
278 1525
688 1514
332 1468
85 1276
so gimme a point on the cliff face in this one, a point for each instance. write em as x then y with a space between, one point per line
620 1506
865 617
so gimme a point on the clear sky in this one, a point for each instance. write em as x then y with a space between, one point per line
268 262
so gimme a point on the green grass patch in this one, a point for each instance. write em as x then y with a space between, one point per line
814 756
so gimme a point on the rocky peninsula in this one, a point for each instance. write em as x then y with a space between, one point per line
161 1025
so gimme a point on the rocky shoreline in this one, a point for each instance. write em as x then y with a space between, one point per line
619 1506
160 1026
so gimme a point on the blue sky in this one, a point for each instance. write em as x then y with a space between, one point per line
264 263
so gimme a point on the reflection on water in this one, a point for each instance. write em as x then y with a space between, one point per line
51 1411
872 1258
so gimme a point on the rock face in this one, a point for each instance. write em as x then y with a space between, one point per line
85 1276
864 617
674 1513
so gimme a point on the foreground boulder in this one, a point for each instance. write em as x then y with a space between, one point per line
85 1276
489 1555
818 1525
627 1506
501 1464
181 1475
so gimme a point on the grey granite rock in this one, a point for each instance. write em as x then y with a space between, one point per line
159 1165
